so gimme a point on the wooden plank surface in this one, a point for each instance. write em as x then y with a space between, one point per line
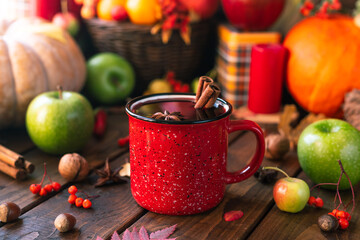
250 196
116 210
95 152
303 225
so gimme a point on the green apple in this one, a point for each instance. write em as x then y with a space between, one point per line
60 122
322 144
110 78
291 194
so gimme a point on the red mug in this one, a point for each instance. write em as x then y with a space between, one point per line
179 167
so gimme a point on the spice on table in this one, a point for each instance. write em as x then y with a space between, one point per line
11 158
13 164
107 175
16 173
206 93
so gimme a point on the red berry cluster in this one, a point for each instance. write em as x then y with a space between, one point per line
342 216
321 9
43 191
78 201
316 202
177 85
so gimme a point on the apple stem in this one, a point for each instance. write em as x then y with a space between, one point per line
277 169
60 90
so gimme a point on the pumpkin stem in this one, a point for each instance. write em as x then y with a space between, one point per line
60 90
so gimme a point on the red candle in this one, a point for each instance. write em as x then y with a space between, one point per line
266 78
46 8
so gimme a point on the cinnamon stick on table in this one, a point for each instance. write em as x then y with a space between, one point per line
16 173
11 158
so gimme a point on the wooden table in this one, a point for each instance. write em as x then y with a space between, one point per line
116 210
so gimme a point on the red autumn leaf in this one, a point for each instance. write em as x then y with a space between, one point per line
115 236
127 235
233 215
135 234
143 234
163 233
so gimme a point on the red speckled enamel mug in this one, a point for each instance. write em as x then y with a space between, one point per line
179 167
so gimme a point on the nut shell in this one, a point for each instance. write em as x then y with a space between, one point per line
277 145
9 212
65 222
328 223
73 167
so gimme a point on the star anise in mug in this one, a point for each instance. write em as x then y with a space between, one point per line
166 115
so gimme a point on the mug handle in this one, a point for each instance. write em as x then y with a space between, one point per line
252 167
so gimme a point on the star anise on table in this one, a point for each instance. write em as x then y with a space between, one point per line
108 176
166 115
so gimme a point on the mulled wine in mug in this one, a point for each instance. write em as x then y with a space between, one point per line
178 158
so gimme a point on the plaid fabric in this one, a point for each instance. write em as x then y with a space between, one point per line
233 62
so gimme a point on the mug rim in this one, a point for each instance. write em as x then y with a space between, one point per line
148 119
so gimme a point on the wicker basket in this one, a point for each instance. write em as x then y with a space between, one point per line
149 56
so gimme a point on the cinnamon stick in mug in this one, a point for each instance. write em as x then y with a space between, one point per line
208 96
11 158
204 81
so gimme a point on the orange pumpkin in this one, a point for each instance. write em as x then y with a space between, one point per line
324 62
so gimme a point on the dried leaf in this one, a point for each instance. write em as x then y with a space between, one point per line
115 236
233 215
99 238
127 235
135 234
125 170
310 118
163 233
286 118
143 234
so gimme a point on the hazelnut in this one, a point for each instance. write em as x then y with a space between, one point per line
65 222
328 223
9 212
73 167
276 146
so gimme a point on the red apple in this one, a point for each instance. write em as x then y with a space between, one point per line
203 8
252 15
291 194
67 21
118 13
